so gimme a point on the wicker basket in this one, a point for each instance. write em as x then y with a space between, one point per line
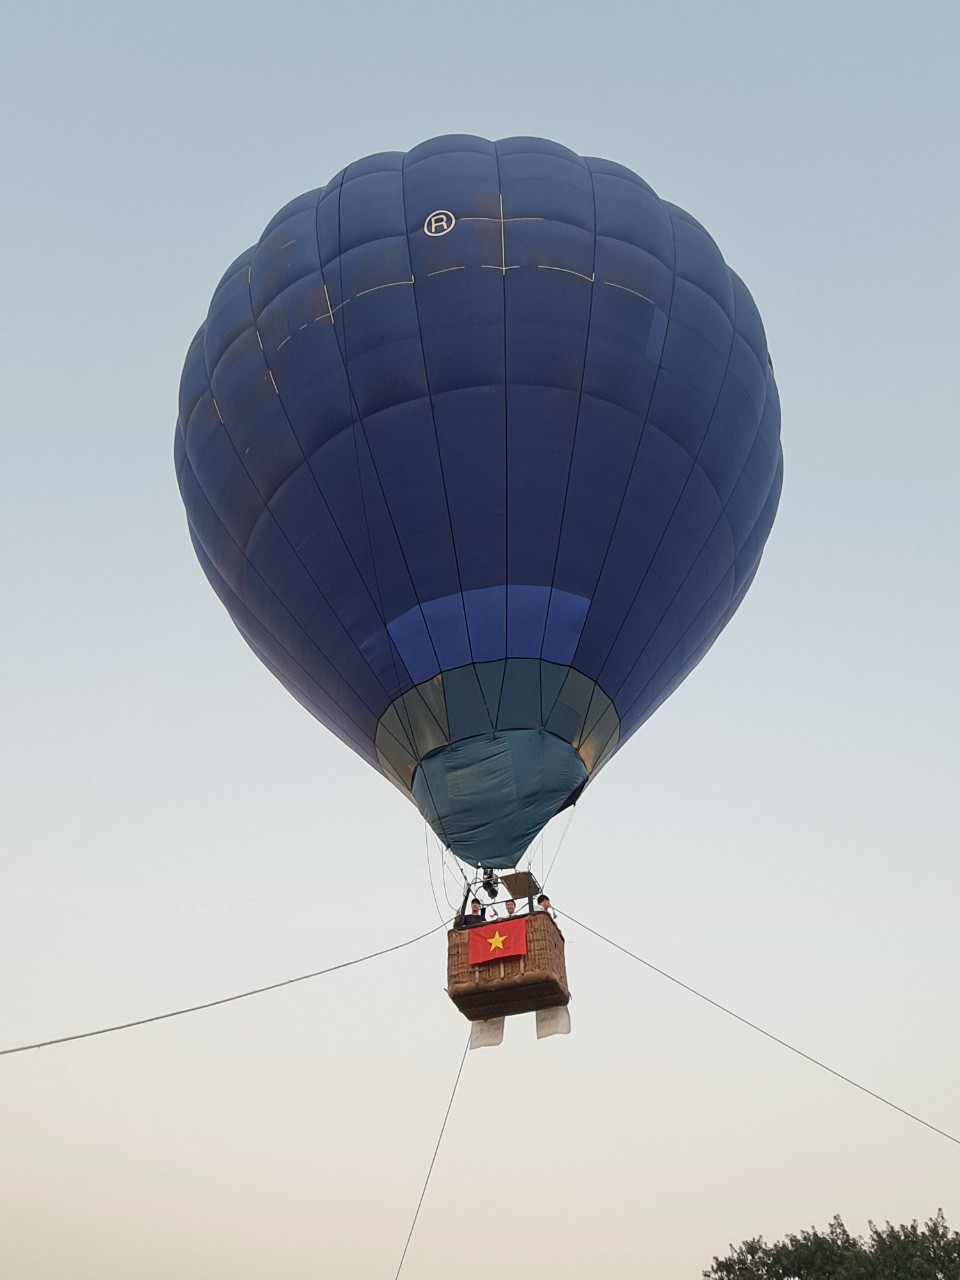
516 984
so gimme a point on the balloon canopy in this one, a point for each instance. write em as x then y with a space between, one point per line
479 446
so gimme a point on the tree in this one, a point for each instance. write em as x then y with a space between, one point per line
909 1252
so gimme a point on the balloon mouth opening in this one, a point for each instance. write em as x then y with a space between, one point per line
484 699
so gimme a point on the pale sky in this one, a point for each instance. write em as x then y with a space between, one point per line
783 834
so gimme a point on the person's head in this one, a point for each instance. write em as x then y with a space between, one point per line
475 905
543 902
511 906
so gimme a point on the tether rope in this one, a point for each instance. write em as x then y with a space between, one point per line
769 1034
433 1160
211 1004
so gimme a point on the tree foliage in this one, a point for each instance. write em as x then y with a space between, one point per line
908 1252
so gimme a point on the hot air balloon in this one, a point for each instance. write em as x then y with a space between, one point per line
479 447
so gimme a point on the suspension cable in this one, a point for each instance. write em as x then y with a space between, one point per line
433 892
563 836
459 875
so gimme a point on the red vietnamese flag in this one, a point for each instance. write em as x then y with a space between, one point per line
496 941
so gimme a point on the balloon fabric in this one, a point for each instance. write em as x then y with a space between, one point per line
479 446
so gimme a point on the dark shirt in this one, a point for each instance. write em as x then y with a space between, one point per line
467 921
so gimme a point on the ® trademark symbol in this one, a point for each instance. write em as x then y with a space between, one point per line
439 223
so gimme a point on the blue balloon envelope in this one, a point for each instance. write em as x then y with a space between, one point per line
479 446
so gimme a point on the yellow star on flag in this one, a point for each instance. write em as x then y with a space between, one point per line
497 941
